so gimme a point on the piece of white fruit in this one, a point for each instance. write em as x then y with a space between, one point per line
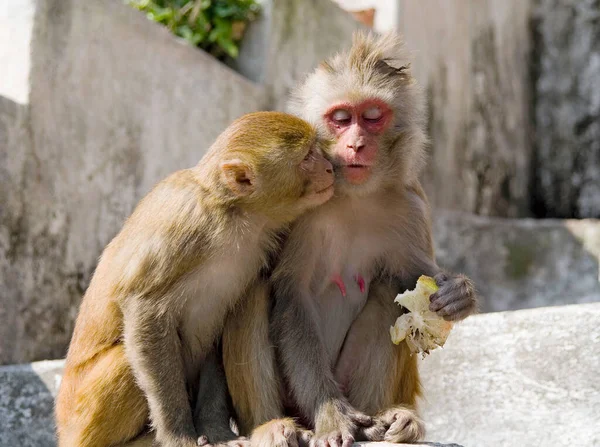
422 329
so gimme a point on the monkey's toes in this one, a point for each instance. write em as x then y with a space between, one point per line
333 439
276 433
406 428
239 442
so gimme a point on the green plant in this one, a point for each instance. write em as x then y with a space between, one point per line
216 26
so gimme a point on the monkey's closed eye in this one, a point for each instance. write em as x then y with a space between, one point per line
308 155
341 116
373 114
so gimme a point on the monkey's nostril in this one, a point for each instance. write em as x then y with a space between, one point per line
356 147
329 170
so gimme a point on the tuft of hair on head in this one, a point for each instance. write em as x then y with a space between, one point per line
383 55
375 66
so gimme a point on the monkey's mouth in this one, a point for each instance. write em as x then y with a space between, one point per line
357 166
356 173
324 190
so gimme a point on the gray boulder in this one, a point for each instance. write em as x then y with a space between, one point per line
27 403
522 263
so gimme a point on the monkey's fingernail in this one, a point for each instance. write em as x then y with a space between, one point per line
433 297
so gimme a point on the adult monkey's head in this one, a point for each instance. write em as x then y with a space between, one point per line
368 102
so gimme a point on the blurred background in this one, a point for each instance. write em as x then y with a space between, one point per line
97 103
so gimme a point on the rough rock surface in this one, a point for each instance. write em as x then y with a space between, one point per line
27 400
524 378
472 59
522 263
527 377
27 403
567 108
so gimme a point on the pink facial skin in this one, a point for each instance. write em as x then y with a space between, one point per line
357 128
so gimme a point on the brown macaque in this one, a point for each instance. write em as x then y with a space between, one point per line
327 359
158 300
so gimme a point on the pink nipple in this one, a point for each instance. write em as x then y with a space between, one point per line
337 280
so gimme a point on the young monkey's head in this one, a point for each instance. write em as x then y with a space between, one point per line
367 102
272 163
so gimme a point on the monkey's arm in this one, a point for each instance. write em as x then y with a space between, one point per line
456 297
153 348
305 365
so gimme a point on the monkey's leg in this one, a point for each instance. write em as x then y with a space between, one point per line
105 407
249 361
379 377
153 346
213 413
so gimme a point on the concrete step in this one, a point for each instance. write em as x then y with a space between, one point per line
522 263
527 377
523 378
27 400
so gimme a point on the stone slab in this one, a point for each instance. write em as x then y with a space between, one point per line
524 378
522 263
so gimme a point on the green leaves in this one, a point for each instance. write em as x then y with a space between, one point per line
216 26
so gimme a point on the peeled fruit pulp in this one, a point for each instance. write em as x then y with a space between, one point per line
422 329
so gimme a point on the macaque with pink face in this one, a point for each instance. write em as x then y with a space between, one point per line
336 369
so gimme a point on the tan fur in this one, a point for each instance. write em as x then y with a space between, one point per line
280 433
164 285
253 380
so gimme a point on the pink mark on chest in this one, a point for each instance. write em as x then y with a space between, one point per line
338 281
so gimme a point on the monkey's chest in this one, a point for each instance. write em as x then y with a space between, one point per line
343 293
211 292
337 307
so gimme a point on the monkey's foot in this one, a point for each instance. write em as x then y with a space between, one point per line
338 281
238 442
279 433
396 424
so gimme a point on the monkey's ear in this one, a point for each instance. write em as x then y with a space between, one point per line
238 177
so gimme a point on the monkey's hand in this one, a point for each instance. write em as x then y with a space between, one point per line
337 423
456 297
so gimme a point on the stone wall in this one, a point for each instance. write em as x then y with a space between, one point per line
566 82
471 57
514 104
97 105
